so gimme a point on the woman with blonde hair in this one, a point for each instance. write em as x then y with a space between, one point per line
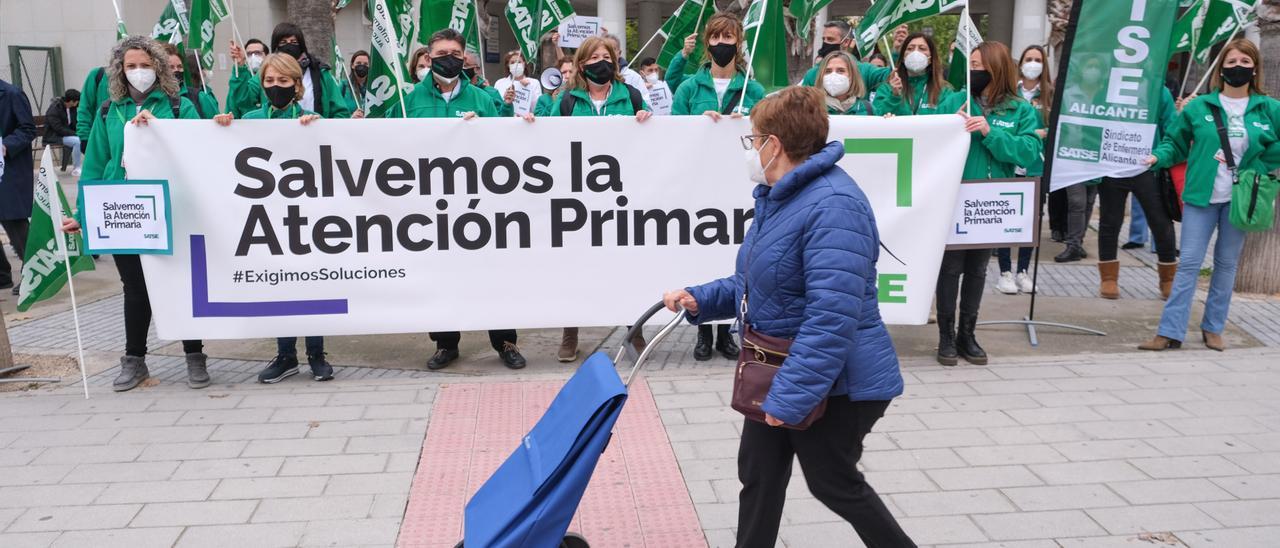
598 89
842 85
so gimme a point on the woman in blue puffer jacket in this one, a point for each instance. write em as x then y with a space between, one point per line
810 261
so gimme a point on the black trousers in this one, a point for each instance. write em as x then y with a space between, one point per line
828 452
448 340
971 264
1114 197
1057 205
137 308
722 332
17 231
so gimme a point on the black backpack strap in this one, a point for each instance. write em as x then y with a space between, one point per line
97 78
194 96
102 111
175 103
566 104
1224 141
871 111
637 101
317 90
732 104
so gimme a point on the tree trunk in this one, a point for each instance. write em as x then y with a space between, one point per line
315 18
1259 268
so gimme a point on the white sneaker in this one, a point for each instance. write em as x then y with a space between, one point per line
76 172
1006 284
1024 282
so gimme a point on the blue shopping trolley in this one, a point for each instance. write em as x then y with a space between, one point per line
530 500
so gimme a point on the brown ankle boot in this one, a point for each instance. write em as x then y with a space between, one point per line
568 345
1160 343
1109 272
1213 341
1167 272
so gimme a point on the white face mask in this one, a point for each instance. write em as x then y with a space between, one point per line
755 171
916 62
255 62
835 84
651 78
517 70
1032 69
422 73
141 78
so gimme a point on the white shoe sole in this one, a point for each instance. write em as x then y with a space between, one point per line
287 373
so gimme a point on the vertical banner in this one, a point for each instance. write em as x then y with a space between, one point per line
1107 115
332 229
521 13
388 74
690 18
884 15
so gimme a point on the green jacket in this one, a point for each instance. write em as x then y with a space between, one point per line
268 112
543 106
618 103
698 94
208 107
1193 137
1012 141
244 93
92 94
499 104
872 76
675 72
349 97
106 143
426 101
860 108
888 102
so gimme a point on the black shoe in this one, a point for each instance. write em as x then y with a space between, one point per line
511 357
17 288
725 343
1070 254
966 343
702 349
1132 245
320 368
1058 236
279 369
6 285
442 358
947 341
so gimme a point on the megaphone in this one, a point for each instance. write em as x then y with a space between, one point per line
551 79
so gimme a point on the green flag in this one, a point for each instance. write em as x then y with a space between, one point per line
173 24
459 15
803 11
204 15
690 18
388 75
521 13
43 270
1107 118
766 41
884 15
339 63
967 38
1182 29
1218 20
339 4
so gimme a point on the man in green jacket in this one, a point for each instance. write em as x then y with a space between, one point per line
241 96
323 94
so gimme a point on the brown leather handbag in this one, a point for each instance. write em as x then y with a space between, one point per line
758 362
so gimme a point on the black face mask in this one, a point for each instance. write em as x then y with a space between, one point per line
979 79
280 96
292 50
722 54
469 73
599 72
179 75
828 49
361 71
447 67
1237 76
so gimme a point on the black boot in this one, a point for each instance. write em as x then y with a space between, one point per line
725 343
967 343
702 349
1072 253
947 341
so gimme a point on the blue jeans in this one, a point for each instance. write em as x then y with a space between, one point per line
1137 221
1198 224
73 142
1003 256
288 346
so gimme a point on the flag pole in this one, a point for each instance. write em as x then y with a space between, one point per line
1216 60
235 32
204 86
888 49
752 62
116 5
60 236
968 73
475 10
1186 73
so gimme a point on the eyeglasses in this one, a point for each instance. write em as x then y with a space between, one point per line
749 141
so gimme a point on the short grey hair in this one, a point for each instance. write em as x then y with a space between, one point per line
117 84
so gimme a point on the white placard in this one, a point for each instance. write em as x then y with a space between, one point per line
578 28
352 227
997 213
525 96
660 98
126 217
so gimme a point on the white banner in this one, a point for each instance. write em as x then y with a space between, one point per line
338 228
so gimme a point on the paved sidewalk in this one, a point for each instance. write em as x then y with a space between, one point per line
1176 449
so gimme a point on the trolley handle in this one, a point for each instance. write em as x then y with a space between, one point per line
625 347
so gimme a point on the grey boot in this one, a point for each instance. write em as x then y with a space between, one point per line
133 370
197 370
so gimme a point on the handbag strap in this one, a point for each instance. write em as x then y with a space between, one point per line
1224 142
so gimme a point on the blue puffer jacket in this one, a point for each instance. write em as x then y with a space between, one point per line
809 260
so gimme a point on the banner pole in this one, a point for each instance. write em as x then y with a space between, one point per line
752 62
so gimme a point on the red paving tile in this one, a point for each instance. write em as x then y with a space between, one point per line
636 498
